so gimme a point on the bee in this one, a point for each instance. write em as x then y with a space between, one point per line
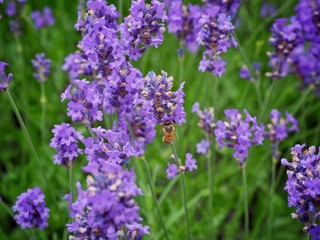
168 130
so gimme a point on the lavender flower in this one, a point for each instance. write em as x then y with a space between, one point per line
31 209
285 38
190 164
11 9
167 105
85 101
203 147
184 21
172 171
239 134
216 36
43 19
144 27
303 185
279 128
65 141
107 146
4 79
206 117
42 65
107 206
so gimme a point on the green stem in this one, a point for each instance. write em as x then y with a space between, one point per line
308 236
125 233
43 102
272 188
25 131
155 198
6 208
120 10
181 70
267 99
210 181
71 182
33 233
184 189
302 100
185 205
246 207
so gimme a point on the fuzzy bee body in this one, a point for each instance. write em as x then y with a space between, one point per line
168 129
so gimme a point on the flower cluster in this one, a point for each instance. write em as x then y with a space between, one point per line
209 26
107 146
239 134
144 27
184 21
43 19
31 209
4 79
296 45
65 141
113 85
42 66
279 128
190 164
107 206
167 105
13 11
216 36
303 185
206 118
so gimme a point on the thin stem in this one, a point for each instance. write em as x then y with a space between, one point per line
184 189
120 11
210 181
125 233
6 208
71 182
25 131
273 177
185 204
91 133
43 102
246 207
267 99
155 198
33 233
181 69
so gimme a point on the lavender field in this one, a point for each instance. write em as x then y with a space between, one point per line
160 119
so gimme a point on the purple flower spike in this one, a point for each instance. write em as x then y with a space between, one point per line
143 28
42 66
191 163
239 133
303 186
206 119
4 79
172 171
43 19
184 21
203 147
168 105
65 141
31 209
279 128
216 36
107 206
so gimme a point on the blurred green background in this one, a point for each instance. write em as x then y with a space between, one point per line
18 169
